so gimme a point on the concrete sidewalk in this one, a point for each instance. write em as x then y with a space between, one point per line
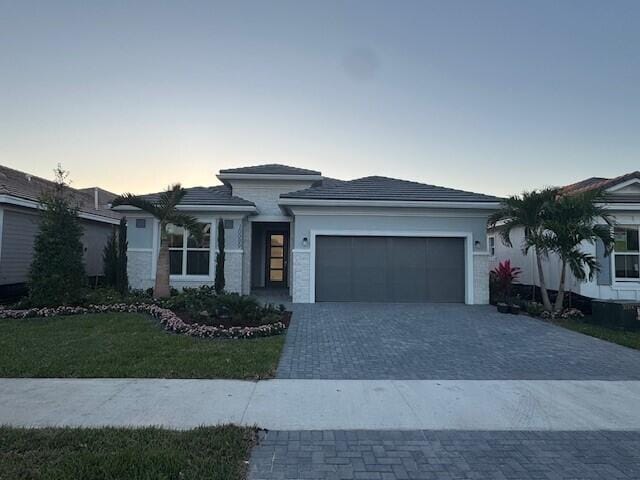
324 404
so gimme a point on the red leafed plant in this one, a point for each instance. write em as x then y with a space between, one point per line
504 275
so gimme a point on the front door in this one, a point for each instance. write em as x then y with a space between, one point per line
277 245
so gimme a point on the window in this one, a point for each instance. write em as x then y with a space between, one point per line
187 256
141 223
492 246
626 256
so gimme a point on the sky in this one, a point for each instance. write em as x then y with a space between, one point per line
487 96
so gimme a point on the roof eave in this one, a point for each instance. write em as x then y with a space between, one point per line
23 202
486 205
212 207
267 176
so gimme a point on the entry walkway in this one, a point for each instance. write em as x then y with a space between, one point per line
324 404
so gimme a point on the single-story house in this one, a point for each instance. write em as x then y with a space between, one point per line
619 275
19 218
321 239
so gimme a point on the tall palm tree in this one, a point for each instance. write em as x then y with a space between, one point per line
571 220
527 211
164 209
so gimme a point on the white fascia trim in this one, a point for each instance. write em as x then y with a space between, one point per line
468 236
1 225
621 185
302 211
208 208
620 206
386 203
21 202
264 176
270 218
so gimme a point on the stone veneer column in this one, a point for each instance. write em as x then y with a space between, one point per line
481 279
301 276
233 271
139 266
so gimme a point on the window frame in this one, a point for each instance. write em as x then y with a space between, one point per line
491 245
185 249
615 254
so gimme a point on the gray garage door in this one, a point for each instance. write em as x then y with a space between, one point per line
389 269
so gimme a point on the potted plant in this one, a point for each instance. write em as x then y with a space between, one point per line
502 307
504 275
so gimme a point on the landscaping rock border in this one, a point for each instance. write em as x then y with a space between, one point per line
169 320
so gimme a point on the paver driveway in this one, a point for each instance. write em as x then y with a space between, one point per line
442 341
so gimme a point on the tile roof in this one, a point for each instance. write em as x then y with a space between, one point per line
604 183
270 169
30 187
218 195
389 189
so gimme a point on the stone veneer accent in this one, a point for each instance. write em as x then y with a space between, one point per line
233 271
139 265
246 246
481 279
301 272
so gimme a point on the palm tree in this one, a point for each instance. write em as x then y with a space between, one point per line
571 220
164 209
527 211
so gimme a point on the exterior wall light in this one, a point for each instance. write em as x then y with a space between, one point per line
305 242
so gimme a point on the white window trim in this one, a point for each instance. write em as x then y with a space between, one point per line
622 281
468 236
185 249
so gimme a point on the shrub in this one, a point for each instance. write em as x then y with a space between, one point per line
503 277
57 274
571 314
110 261
535 309
122 278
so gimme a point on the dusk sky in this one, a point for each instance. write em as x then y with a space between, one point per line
488 96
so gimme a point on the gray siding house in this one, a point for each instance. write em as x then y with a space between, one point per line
19 217
320 239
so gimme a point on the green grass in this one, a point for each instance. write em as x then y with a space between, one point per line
126 346
626 338
118 453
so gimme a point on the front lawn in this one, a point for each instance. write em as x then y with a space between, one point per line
626 338
118 453
124 345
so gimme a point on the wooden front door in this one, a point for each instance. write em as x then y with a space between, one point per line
277 255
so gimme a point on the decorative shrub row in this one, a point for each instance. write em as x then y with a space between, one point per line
169 320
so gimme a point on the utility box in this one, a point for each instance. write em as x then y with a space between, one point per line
617 313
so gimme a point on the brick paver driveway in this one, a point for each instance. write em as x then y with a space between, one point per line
446 455
442 341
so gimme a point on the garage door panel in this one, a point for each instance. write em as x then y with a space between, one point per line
445 266
407 273
333 269
369 267
390 269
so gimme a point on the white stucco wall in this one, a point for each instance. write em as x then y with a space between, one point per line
552 266
266 193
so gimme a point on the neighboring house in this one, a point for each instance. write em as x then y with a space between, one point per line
369 239
19 217
619 275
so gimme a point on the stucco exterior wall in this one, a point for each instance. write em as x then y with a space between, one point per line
552 266
266 193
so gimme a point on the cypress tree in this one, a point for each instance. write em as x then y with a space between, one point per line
57 275
219 280
122 279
